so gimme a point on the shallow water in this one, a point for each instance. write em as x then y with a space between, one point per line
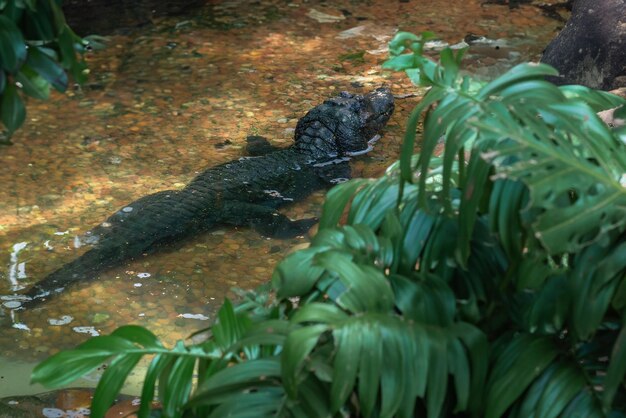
171 99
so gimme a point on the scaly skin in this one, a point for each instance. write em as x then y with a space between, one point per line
244 192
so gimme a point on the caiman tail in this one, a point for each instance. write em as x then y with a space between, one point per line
84 268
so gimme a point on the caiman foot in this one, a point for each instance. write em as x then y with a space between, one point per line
265 220
283 227
257 146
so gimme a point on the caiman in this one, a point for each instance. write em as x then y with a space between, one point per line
243 192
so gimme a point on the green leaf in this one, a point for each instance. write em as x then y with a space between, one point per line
577 200
319 312
12 10
620 113
416 235
12 46
400 62
47 68
528 407
229 326
347 358
336 201
584 405
551 306
597 99
437 375
32 84
138 335
370 368
39 25
565 383
398 44
424 298
459 367
371 205
12 109
263 402
616 370
296 275
366 288
428 147
474 186
298 346
234 379
395 375
67 366
313 399
270 332
361 238
158 364
475 342
595 276
68 42
111 383
57 13
531 355
178 385
517 74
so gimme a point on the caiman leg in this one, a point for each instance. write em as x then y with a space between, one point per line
264 220
257 146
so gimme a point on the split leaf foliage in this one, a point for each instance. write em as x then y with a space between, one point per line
484 281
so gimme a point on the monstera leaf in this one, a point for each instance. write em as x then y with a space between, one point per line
571 162
529 130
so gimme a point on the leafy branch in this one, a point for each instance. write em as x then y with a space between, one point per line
36 48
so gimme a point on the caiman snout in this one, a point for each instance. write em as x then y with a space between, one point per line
378 109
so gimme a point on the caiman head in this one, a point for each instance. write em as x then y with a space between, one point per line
345 125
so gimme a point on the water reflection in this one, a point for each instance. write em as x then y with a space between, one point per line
17 269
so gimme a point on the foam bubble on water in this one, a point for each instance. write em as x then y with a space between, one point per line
53 413
64 320
138 284
12 304
20 325
21 298
78 413
86 330
143 275
193 316
17 269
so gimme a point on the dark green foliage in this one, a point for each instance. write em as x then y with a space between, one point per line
36 49
485 282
